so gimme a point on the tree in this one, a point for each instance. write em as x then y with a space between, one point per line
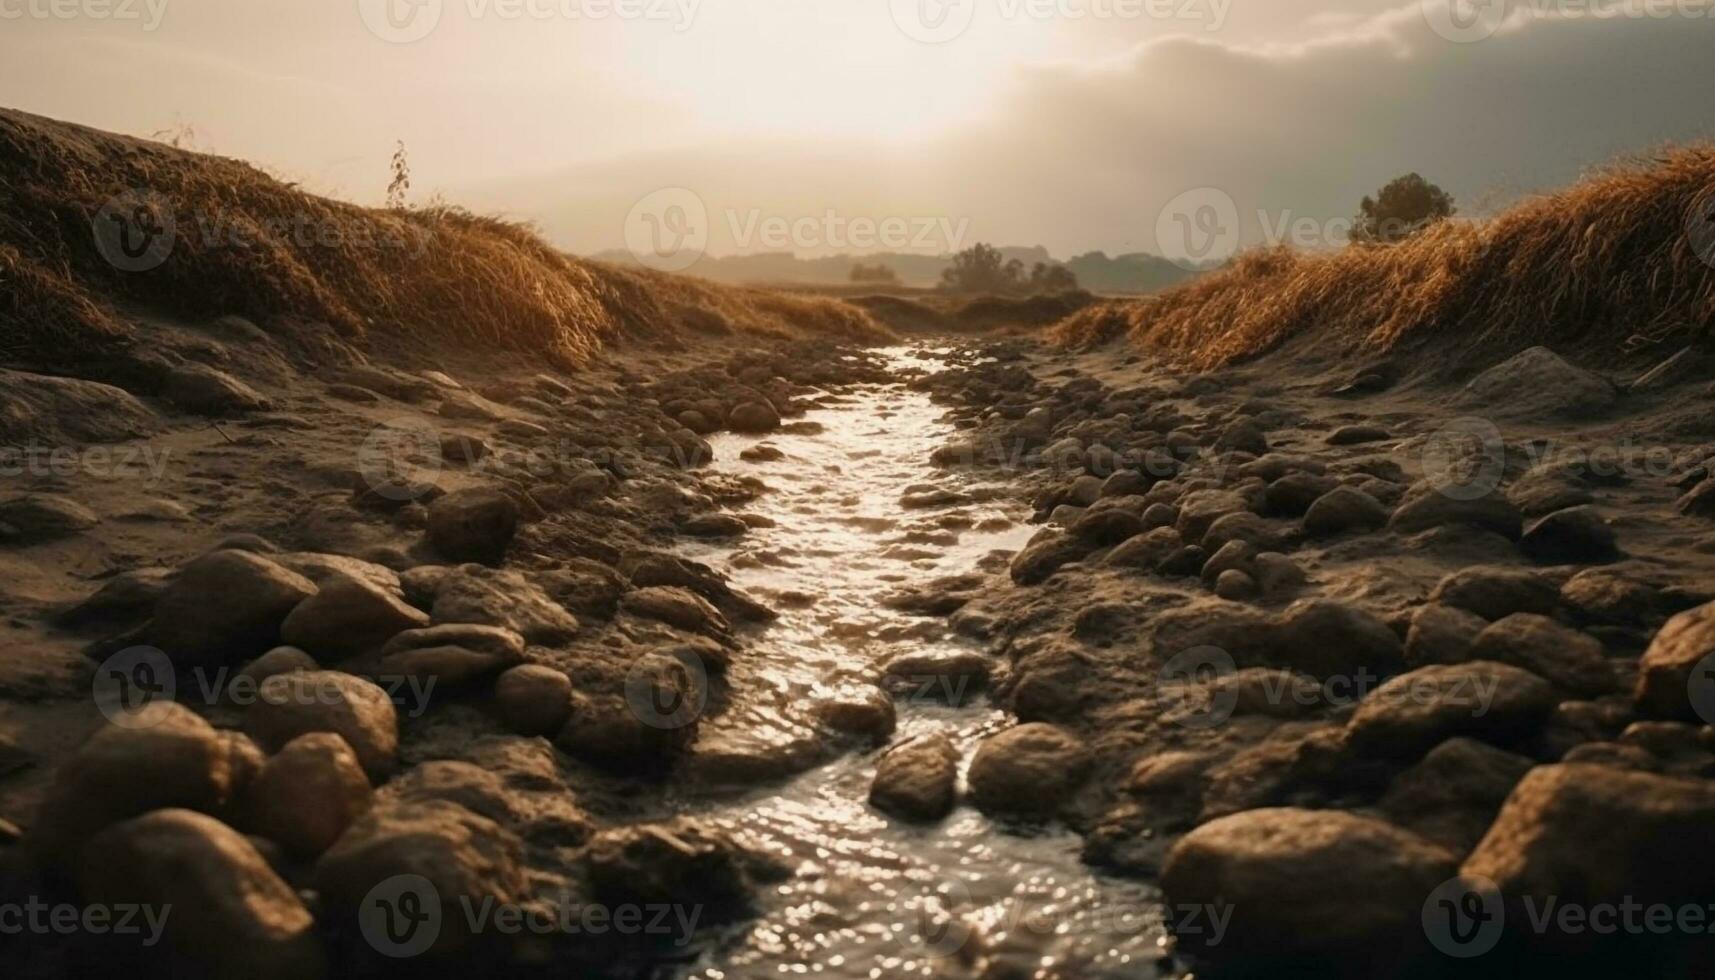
879 273
401 168
1052 277
1401 209
978 269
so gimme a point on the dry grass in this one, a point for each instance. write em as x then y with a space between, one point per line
1606 262
249 244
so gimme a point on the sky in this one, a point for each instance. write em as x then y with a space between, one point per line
818 126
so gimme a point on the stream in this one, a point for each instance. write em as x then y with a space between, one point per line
873 896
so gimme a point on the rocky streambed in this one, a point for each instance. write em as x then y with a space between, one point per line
975 660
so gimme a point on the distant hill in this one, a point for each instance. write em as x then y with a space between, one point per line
1135 272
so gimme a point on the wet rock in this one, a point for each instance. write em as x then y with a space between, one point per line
953 678
231 915
1304 885
1452 795
611 732
715 526
165 757
464 784
1146 551
1441 634
860 710
1577 535
1325 638
1414 712
1667 672
1292 494
677 607
202 390
462 859
453 654
473 525
1574 661
1426 507
1353 435
1344 509
503 598
306 796
41 517
1495 593
759 454
533 699
678 862
1537 384
927 498
1585 835
225 607
917 780
753 417
347 618
290 705
1031 769
1045 556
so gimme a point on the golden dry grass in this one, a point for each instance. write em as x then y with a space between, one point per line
249 244
1607 261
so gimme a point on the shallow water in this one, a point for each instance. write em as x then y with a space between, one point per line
874 897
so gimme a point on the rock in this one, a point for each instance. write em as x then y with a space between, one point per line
453 654
1160 516
1344 509
202 390
1105 527
1044 557
1146 551
1031 769
753 417
715 526
125 600
458 404
1125 483
1576 535
1441 635
1325 639
473 525
458 447
307 795
1699 501
231 914
677 862
1235 585
1414 712
1537 384
861 710
1611 597
1452 796
1586 835
1245 435
347 618
917 780
321 569
290 705
1244 527
1353 435
1425 507
1276 574
611 733
678 607
533 699
280 660
42 517
166 756
225 607
1668 673
452 857
952 678
1305 885
45 410
1495 593
1574 661
504 598
1292 494
1200 509
1186 561
1085 491
1547 489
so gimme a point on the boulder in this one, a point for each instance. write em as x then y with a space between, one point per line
1452 795
290 705
1031 770
1109 526
454 654
1147 550
37 518
1699 501
917 780
1200 509
533 699
1414 712
1353 435
682 861
1574 661
1304 886
1344 509
1441 634
1677 665
503 598
226 607
1044 557
678 607
1292 494
753 417
348 617
473 525
202 390
1427 506
230 914
1574 536
280 660
46 410
1495 593
1326 638
861 710
1538 385
941 677
306 796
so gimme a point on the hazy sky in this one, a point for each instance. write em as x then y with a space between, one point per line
823 125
